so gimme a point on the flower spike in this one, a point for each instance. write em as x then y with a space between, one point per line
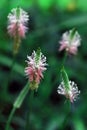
68 88
70 41
17 26
36 66
17 21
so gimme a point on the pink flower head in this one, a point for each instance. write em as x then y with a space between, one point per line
71 93
17 21
36 67
70 42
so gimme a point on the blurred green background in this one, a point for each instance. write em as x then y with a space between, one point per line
47 110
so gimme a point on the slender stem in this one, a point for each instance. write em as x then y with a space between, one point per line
17 104
21 96
10 74
11 68
29 110
68 102
66 119
64 59
10 118
27 120
63 62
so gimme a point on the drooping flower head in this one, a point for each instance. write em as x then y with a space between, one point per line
68 88
72 93
17 21
36 66
70 41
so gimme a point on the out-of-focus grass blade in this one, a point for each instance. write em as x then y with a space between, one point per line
7 61
62 3
22 3
78 124
5 46
75 21
45 4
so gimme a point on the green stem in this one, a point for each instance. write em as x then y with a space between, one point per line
63 62
21 96
17 104
10 74
66 119
29 110
65 79
64 59
10 118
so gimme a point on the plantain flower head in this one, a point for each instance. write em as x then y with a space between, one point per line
17 21
68 88
36 66
70 42
71 93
